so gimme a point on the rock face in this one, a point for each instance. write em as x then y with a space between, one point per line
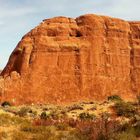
65 60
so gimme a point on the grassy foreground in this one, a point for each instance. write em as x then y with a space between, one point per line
113 119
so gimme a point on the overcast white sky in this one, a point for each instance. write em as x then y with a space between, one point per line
17 17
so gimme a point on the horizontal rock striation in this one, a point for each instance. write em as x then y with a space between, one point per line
66 60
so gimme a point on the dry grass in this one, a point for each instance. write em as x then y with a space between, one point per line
80 121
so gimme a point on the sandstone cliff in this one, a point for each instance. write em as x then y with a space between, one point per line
64 60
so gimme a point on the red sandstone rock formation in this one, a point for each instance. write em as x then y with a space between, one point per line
64 60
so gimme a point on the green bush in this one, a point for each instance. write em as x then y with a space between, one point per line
125 109
44 116
6 103
114 98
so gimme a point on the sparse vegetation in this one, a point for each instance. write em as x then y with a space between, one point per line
114 98
125 109
86 116
84 121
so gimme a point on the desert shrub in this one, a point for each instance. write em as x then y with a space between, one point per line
44 116
24 111
6 103
114 98
75 107
86 116
94 129
125 109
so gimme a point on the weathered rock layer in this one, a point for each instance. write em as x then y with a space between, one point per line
64 60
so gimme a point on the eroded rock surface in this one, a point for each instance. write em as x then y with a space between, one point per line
64 60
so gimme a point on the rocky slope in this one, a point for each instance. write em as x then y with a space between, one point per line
65 60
